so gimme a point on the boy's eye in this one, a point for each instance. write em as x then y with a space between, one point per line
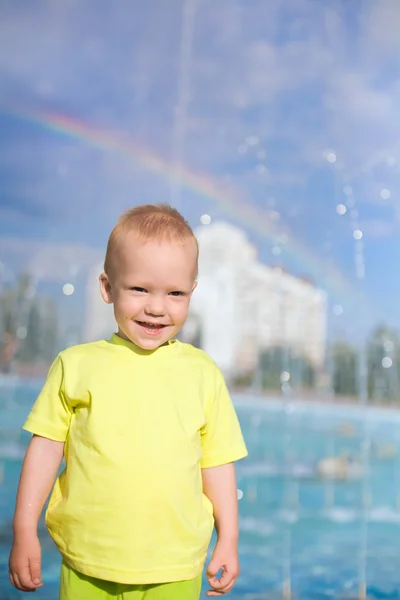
177 293
138 289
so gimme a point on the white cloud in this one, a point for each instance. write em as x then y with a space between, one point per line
237 62
294 73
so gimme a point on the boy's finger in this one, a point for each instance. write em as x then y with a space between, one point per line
212 569
219 584
221 592
227 587
17 583
35 568
23 577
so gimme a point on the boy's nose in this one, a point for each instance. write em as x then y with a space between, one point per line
155 308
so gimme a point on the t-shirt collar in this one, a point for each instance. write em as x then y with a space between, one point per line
167 348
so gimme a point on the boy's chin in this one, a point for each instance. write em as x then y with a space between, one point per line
147 343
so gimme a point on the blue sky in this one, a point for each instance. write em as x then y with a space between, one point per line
254 94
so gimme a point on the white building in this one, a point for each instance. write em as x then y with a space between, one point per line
242 306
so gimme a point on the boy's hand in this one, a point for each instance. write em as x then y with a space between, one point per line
25 562
225 557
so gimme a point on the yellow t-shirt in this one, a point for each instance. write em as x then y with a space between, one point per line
138 426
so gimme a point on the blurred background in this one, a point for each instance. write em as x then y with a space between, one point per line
273 127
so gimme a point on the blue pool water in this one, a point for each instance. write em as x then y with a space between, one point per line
322 536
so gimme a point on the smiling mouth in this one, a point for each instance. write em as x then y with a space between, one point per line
151 328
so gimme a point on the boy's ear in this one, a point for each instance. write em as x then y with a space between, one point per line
105 288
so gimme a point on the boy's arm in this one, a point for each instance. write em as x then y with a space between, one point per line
219 485
39 471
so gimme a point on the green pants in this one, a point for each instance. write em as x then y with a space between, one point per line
75 586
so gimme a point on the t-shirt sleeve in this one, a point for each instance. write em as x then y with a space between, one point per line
222 439
50 416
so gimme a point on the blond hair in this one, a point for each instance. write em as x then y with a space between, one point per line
150 222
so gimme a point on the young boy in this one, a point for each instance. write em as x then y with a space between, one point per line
149 435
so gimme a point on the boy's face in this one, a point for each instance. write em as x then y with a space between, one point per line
150 286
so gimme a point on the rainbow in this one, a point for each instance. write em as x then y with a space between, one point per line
234 205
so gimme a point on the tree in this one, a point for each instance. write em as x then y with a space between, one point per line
28 324
383 346
344 369
29 344
274 361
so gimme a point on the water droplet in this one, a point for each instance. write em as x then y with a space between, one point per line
341 209
387 362
285 376
357 234
22 333
205 219
385 194
338 310
330 157
239 494
68 289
